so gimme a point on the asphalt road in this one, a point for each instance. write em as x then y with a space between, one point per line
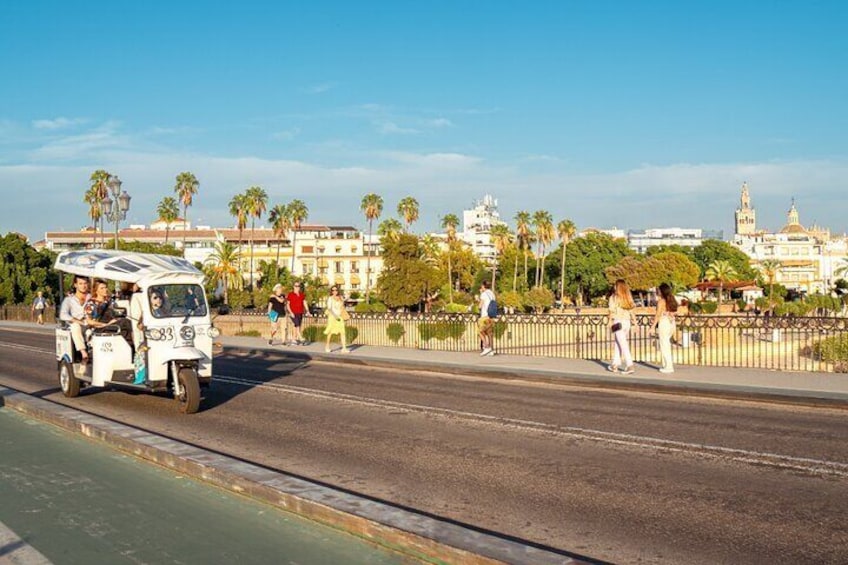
619 476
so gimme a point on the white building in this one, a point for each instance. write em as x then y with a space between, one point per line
477 224
685 237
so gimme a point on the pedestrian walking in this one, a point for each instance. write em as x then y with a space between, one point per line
486 322
337 315
665 325
296 309
277 313
39 305
622 319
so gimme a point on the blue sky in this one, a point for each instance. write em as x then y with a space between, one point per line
628 114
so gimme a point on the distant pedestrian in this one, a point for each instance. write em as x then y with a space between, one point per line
277 314
296 308
665 325
622 319
486 323
337 315
39 305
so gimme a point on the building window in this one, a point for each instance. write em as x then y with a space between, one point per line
354 266
339 267
307 249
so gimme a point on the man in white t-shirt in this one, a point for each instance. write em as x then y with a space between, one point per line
486 323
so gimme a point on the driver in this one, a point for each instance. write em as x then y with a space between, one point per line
157 307
72 311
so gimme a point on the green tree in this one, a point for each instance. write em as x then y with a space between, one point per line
168 211
449 223
281 224
257 203
97 191
239 210
500 240
674 268
298 213
566 230
544 224
406 276
723 272
24 271
524 235
770 268
408 210
372 207
633 270
675 248
589 256
185 189
389 229
539 299
224 263
713 250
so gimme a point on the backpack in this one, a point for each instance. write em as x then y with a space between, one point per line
492 309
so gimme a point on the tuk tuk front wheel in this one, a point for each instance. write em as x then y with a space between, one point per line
69 383
189 393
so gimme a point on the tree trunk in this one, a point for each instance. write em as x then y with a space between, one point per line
515 274
542 268
185 226
252 228
294 241
562 277
368 263
167 229
450 279
526 271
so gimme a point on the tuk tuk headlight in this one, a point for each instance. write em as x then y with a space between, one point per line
214 332
187 333
155 334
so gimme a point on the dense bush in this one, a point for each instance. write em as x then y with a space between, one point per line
511 299
833 350
454 308
316 333
539 299
441 330
375 307
249 333
499 329
709 307
395 332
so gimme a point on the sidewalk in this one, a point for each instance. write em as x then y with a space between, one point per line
752 383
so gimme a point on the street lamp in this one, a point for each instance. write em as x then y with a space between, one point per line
110 211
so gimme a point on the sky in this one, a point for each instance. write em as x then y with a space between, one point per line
608 113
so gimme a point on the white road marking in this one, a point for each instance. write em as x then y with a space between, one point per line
807 465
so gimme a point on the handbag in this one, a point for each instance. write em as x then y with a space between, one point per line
273 316
345 314
615 327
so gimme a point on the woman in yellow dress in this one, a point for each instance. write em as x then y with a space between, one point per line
336 317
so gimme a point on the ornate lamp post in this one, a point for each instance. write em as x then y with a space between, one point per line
115 213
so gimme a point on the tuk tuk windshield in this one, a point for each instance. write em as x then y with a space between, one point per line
177 301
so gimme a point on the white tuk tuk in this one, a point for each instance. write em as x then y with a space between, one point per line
170 344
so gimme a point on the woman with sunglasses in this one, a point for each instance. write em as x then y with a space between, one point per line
336 316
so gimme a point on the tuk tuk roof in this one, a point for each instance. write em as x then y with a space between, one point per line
126 266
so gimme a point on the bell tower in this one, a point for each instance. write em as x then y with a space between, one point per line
746 217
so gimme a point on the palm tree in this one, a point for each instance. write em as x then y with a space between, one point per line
770 267
280 223
544 224
523 234
225 265
372 207
842 270
566 230
168 211
721 271
185 189
257 203
389 229
500 239
449 223
298 213
408 210
238 209
97 192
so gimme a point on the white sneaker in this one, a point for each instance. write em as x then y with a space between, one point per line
666 371
491 353
486 351
628 370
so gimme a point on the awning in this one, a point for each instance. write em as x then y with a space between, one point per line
339 279
325 280
354 279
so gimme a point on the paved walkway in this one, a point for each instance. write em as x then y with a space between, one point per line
804 386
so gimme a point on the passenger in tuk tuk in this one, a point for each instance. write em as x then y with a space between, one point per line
102 313
72 312
157 304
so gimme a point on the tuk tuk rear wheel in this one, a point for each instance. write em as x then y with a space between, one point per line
189 396
69 383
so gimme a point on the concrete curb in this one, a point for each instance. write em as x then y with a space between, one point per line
425 538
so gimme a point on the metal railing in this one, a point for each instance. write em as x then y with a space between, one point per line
23 313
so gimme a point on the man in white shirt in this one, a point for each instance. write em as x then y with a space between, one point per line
486 323
72 311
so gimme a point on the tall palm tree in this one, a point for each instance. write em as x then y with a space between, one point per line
95 212
298 213
372 207
721 271
408 210
449 223
523 234
280 223
389 228
500 239
770 267
566 230
224 261
97 192
185 188
544 224
238 209
257 203
842 270
168 211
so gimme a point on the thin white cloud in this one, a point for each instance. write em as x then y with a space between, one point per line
391 128
286 135
440 123
57 123
321 88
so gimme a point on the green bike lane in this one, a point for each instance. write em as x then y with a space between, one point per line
76 501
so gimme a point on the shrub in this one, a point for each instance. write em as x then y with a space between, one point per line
454 308
709 307
376 307
600 302
395 331
316 333
250 333
741 305
511 299
833 350
441 330
499 329
539 298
